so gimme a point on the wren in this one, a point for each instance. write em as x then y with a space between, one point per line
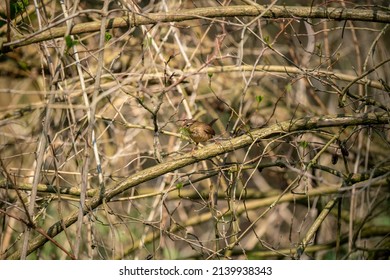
199 131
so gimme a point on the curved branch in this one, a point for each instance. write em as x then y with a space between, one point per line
307 123
133 20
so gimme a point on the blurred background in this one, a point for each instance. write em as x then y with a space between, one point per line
81 113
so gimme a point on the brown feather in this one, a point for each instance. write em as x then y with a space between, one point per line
199 131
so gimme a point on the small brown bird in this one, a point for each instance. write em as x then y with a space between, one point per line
199 131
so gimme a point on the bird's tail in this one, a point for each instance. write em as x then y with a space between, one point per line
212 122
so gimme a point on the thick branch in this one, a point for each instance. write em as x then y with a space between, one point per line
274 12
206 153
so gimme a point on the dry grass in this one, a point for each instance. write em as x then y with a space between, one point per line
81 114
